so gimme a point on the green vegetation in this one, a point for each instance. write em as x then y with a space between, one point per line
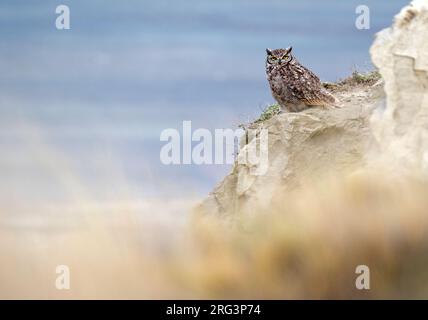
359 78
269 112
355 79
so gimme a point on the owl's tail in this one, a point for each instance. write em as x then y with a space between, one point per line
323 99
331 100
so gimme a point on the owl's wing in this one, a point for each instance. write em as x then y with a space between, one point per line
307 88
315 102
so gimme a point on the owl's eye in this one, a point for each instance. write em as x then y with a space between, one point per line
285 57
272 59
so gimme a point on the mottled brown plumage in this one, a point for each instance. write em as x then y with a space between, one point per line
293 86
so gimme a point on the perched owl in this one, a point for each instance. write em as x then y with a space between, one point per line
293 86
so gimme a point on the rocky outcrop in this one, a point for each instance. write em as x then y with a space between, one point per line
385 121
301 146
401 55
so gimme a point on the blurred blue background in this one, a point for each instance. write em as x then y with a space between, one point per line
84 108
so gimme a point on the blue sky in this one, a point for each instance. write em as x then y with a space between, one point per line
129 69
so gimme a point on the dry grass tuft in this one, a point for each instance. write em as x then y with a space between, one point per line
307 244
356 79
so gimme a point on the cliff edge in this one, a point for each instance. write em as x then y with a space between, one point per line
383 122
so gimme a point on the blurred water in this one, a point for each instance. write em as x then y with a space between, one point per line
82 109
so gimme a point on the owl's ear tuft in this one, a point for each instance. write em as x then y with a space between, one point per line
268 51
289 49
